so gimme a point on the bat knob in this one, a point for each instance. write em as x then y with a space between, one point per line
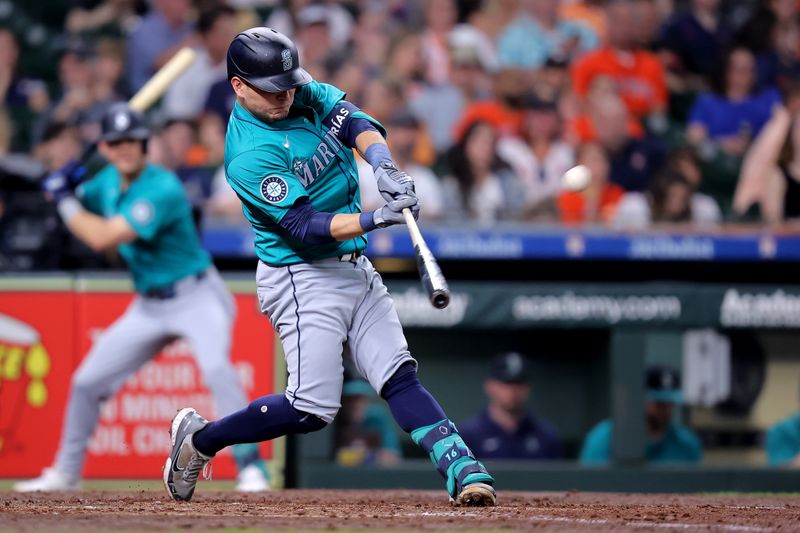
440 299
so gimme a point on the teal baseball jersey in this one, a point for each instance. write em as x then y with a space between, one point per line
678 445
783 441
156 207
271 166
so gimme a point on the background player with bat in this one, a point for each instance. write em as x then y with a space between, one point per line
141 210
289 157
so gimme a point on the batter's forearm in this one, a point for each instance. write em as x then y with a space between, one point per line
98 233
91 229
366 139
346 226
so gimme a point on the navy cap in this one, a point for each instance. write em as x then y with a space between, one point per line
509 367
663 384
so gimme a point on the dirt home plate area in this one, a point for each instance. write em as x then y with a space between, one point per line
383 510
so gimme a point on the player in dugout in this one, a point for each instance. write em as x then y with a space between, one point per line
289 157
140 210
506 429
668 441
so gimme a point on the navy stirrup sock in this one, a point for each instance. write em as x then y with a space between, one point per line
411 404
266 418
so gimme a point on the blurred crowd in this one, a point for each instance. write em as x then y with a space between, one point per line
683 111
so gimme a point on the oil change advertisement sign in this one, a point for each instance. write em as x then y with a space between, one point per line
43 338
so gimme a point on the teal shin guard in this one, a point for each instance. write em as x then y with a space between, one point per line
452 457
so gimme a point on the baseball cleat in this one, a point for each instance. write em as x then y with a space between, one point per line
184 464
51 480
477 495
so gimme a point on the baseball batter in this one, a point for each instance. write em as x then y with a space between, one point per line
289 158
141 210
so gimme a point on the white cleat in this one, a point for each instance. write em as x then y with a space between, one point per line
51 480
184 464
477 495
252 479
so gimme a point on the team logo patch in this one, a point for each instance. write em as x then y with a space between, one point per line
121 121
286 55
274 189
142 212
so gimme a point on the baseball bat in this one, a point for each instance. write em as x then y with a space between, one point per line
154 88
429 272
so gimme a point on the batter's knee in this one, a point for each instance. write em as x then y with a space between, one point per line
309 423
404 377
91 385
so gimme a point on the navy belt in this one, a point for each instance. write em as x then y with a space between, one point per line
170 291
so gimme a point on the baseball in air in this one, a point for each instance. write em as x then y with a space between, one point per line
577 178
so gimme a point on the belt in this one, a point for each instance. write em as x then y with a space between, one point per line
170 291
352 256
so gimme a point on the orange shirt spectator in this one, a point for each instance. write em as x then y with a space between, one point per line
503 120
573 205
638 74
582 129
589 15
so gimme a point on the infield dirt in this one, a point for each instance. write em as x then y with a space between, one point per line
382 510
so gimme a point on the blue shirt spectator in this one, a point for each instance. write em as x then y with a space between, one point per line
505 430
697 45
723 117
220 99
634 165
783 442
163 28
667 440
526 43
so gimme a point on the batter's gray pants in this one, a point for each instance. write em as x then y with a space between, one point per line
202 312
318 309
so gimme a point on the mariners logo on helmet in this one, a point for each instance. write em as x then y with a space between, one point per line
274 189
121 121
286 55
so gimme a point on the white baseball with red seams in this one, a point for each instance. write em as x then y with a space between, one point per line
577 178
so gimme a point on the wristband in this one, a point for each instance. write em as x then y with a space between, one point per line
377 153
68 207
367 221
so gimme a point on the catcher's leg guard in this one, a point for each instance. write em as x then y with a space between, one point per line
468 481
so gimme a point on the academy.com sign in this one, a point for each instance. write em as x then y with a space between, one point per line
777 309
414 309
603 308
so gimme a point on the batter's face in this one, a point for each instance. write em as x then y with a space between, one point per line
265 106
128 155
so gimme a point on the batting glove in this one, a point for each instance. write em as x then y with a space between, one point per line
392 212
62 182
393 182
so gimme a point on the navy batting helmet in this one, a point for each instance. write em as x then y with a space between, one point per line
121 122
267 60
